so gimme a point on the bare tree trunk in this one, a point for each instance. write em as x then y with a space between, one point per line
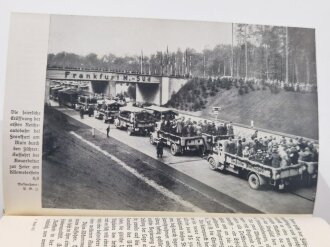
224 68
286 55
238 63
204 66
232 51
296 71
246 60
267 65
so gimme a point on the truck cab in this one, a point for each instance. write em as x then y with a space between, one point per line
86 102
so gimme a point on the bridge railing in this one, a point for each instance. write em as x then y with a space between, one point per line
130 72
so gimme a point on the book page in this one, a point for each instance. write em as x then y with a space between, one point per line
223 231
131 116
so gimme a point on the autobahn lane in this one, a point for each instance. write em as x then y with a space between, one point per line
95 172
268 201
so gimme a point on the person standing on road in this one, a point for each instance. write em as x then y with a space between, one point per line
159 148
81 112
108 130
90 111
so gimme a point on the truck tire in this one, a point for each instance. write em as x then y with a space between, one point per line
174 149
221 167
254 181
117 124
201 151
129 131
151 139
213 164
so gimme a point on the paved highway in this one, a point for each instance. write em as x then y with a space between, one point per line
232 192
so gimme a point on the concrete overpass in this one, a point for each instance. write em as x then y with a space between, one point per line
149 88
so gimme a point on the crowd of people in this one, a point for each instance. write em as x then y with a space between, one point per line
189 128
272 152
271 83
268 150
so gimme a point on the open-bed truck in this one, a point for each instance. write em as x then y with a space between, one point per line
213 139
86 102
135 120
256 173
108 110
179 144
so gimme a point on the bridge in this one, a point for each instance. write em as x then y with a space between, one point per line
154 89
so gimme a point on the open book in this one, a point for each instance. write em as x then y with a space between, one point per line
145 132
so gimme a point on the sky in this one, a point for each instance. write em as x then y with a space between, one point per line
128 36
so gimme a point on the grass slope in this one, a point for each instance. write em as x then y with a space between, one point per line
288 112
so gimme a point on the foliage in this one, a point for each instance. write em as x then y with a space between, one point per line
258 52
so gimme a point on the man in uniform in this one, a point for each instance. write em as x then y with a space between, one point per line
230 129
108 130
204 127
159 148
255 135
81 112
179 126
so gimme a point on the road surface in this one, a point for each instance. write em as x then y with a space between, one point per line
232 193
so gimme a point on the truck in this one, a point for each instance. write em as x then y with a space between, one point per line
53 92
178 144
212 139
108 110
68 97
160 113
257 174
86 102
135 120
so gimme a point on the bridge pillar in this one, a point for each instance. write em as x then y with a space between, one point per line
112 89
148 93
170 86
165 88
159 93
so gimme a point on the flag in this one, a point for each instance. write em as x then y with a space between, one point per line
186 62
174 65
161 63
182 64
189 65
141 62
167 60
204 65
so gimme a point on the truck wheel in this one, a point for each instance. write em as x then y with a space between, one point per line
254 181
151 139
212 164
174 149
201 151
221 167
129 131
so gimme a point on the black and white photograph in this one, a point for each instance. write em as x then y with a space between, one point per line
179 116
